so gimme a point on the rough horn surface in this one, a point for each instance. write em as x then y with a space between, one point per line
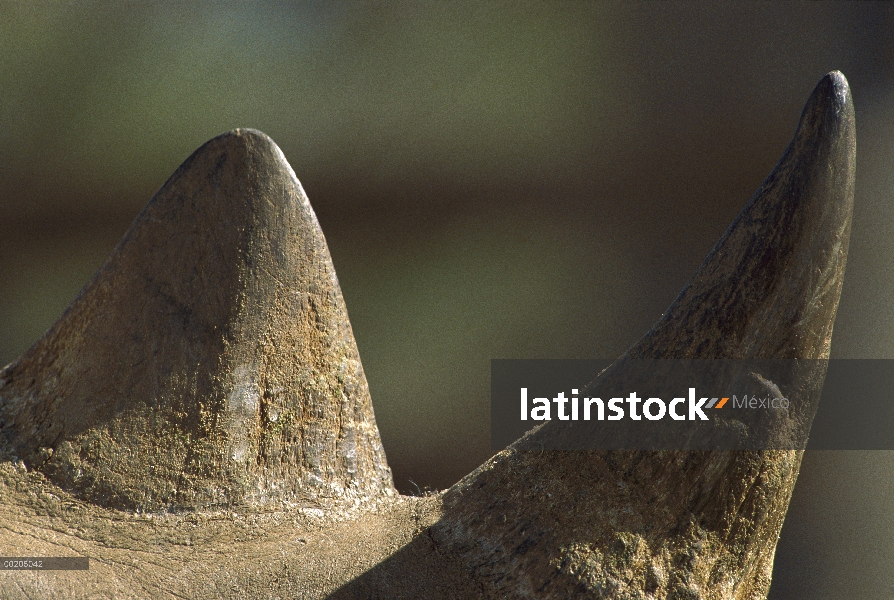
683 524
210 361
528 523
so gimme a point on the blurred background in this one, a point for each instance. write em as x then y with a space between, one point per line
495 180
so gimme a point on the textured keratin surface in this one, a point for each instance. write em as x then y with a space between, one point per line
684 524
210 368
210 361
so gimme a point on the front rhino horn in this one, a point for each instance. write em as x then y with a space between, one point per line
210 361
682 524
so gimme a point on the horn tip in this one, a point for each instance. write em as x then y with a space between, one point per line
841 91
832 92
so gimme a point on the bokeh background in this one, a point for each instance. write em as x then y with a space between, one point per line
495 180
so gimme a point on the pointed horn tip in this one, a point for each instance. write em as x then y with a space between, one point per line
242 142
247 132
837 78
243 136
240 139
834 92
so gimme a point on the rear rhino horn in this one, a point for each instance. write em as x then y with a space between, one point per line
558 524
210 361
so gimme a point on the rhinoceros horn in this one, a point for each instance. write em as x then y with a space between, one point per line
198 422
